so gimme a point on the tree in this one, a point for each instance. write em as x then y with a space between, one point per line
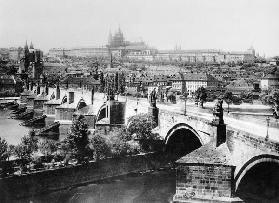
6 167
47 147
115 82
121 143
228 97
141 126
201 95
77 139
102 82
121 83
99 147
3 149
25 149
272 98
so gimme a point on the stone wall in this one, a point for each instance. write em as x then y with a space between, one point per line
167 120
211 182
49 180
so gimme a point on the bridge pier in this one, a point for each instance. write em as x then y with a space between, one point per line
206 174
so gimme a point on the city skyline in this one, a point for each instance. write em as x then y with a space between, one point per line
225 25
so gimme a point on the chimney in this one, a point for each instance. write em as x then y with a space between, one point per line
57 92
71 97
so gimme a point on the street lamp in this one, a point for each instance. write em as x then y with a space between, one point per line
267 126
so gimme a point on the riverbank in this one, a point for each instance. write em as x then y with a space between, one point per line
36 183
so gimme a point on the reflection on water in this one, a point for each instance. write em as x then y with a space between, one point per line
158 186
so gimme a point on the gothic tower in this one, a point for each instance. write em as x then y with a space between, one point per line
26 57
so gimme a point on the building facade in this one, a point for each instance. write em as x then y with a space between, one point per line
189 82
118 47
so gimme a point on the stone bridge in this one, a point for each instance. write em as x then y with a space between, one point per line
237 147
246 149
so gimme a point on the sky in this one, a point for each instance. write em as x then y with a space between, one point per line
192 24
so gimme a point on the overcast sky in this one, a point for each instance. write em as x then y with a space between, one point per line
192 24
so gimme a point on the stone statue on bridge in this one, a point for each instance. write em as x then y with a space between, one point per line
152 98
218 112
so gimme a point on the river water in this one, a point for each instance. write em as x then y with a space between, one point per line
10 128
152 187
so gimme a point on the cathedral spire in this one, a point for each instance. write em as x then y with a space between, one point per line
26 46
31 45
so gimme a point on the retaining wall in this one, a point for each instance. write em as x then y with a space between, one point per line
35 183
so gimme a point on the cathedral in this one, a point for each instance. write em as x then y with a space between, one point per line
32 62
117 40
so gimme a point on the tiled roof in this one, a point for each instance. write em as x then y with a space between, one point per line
81 80
42 97
87 110
272 76
26 92
7 80
241 83
193 77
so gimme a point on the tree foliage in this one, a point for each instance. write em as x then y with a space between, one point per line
140 126
77 139
99 147
26 148
47 147
121 143
228 97
102 82
3 149
201 95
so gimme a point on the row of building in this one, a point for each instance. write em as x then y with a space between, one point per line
139 51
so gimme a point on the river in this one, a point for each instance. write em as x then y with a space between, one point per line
152 187
10 129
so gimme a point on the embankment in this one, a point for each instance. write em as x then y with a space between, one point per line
35 183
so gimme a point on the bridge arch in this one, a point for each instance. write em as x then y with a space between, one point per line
181 139
52 96
102 113
252 164
64 100
81 104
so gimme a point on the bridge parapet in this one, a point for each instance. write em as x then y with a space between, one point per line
245 147
168 120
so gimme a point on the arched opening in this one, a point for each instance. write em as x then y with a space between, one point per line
64 100
260 183
102 113
52 96
181 141
81 104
